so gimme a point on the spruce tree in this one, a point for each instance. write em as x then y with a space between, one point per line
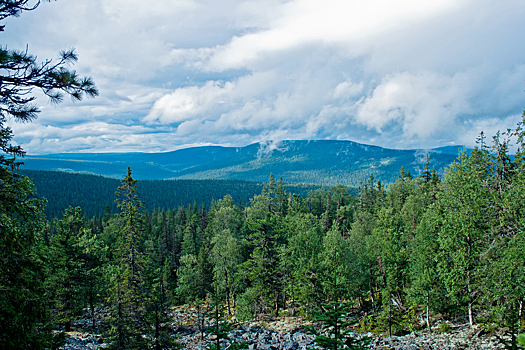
67 268
24 314
187 279
265 237
128 295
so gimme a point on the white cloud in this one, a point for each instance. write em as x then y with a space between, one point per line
263 105
90 136
118 104
308 21
347 89
423 103
179 72
267 147
186 103
472 129
136 12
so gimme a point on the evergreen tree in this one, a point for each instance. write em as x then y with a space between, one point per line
303 254
67 268
265 237
158 309
24 321
426 286
24 315
262 267
465 204
93 257
188 279
128 296
225 224
221 327
107 214
158 279
391 248
204 269
363 240
505 253
336 264
335 330
190 239
281 198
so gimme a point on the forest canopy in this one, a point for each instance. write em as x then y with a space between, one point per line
419 247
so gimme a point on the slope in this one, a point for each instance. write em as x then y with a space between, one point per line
322 162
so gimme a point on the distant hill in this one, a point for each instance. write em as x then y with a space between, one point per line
319 162
92 192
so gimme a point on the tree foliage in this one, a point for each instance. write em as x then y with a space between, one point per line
24 317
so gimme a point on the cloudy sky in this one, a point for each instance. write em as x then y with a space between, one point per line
179 73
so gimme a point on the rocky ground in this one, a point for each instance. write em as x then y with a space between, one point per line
287 333
263 338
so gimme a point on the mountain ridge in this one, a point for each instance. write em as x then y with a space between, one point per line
324 162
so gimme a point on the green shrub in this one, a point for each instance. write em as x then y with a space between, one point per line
245 308
334 332
444 328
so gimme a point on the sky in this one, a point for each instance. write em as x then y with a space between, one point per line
179 73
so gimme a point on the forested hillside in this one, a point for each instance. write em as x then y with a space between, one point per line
92 193
425 245
322 162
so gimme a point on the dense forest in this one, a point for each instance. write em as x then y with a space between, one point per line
419 247
92 193
322 162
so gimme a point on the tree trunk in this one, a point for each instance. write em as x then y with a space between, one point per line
68 309
227 293
428 318
92 307
157 328
217 326
389 317
293 300
470 315
471 302
520 312
119 323
284 299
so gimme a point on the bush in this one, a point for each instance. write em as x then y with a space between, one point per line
245 308
444 328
